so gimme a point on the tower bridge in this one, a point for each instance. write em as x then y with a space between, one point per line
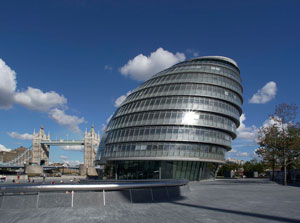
37 155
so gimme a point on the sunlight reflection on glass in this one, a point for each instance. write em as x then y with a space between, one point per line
190 118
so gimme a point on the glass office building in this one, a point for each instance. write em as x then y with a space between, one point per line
177 124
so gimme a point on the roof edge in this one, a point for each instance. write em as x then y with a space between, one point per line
218 58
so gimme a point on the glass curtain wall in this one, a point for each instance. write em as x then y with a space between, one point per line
177 124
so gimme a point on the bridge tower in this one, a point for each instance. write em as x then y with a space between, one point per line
91 143
40 152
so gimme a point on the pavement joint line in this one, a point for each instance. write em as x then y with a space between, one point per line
130 195
151 194
37 200
72 200
104 197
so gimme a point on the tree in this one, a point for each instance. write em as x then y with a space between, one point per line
268 149
280 141
253 166
227 167
285 115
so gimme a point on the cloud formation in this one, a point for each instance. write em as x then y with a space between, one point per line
246 133
235 153
62 118
4 149
242 154
192 52
264 95
24 136
8 85
120 99
248 136
63 157
143 67
103 128
35 99
108 67
73 162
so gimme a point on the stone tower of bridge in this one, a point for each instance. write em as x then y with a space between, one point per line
91 143
40 152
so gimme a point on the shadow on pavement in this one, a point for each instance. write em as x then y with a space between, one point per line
255 215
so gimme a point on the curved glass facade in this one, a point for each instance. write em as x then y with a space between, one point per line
178 124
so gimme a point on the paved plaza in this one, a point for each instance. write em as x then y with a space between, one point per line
242 200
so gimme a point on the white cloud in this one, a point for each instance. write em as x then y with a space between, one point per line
232 151
192 52
73 162
267 93
8 85
103 128
24 136
32 98
120 99
142 67
236 153
242 154
4 149
61 118
247 133
35 99
73 148
251 144
63 157
108 67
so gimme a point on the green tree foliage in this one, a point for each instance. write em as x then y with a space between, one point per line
268 146
253 166
227 167
279 143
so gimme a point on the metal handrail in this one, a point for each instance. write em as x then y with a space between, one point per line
90 187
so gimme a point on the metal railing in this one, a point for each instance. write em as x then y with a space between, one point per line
109 186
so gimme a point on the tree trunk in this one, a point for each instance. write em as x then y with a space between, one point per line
284 176
273 168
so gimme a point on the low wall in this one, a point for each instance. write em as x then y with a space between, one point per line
143 193
31 170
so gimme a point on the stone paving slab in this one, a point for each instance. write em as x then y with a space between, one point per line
53 200
115 198
19 201
88 199
239 201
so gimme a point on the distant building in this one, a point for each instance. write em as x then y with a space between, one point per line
178 124
6 157
237 161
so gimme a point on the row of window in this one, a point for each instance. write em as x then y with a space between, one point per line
204 148
195 78
165 133
209 70
173 117
203 67
212 62
163 150
172 153
178 102
186 89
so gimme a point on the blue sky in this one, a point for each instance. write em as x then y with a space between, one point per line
70 54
